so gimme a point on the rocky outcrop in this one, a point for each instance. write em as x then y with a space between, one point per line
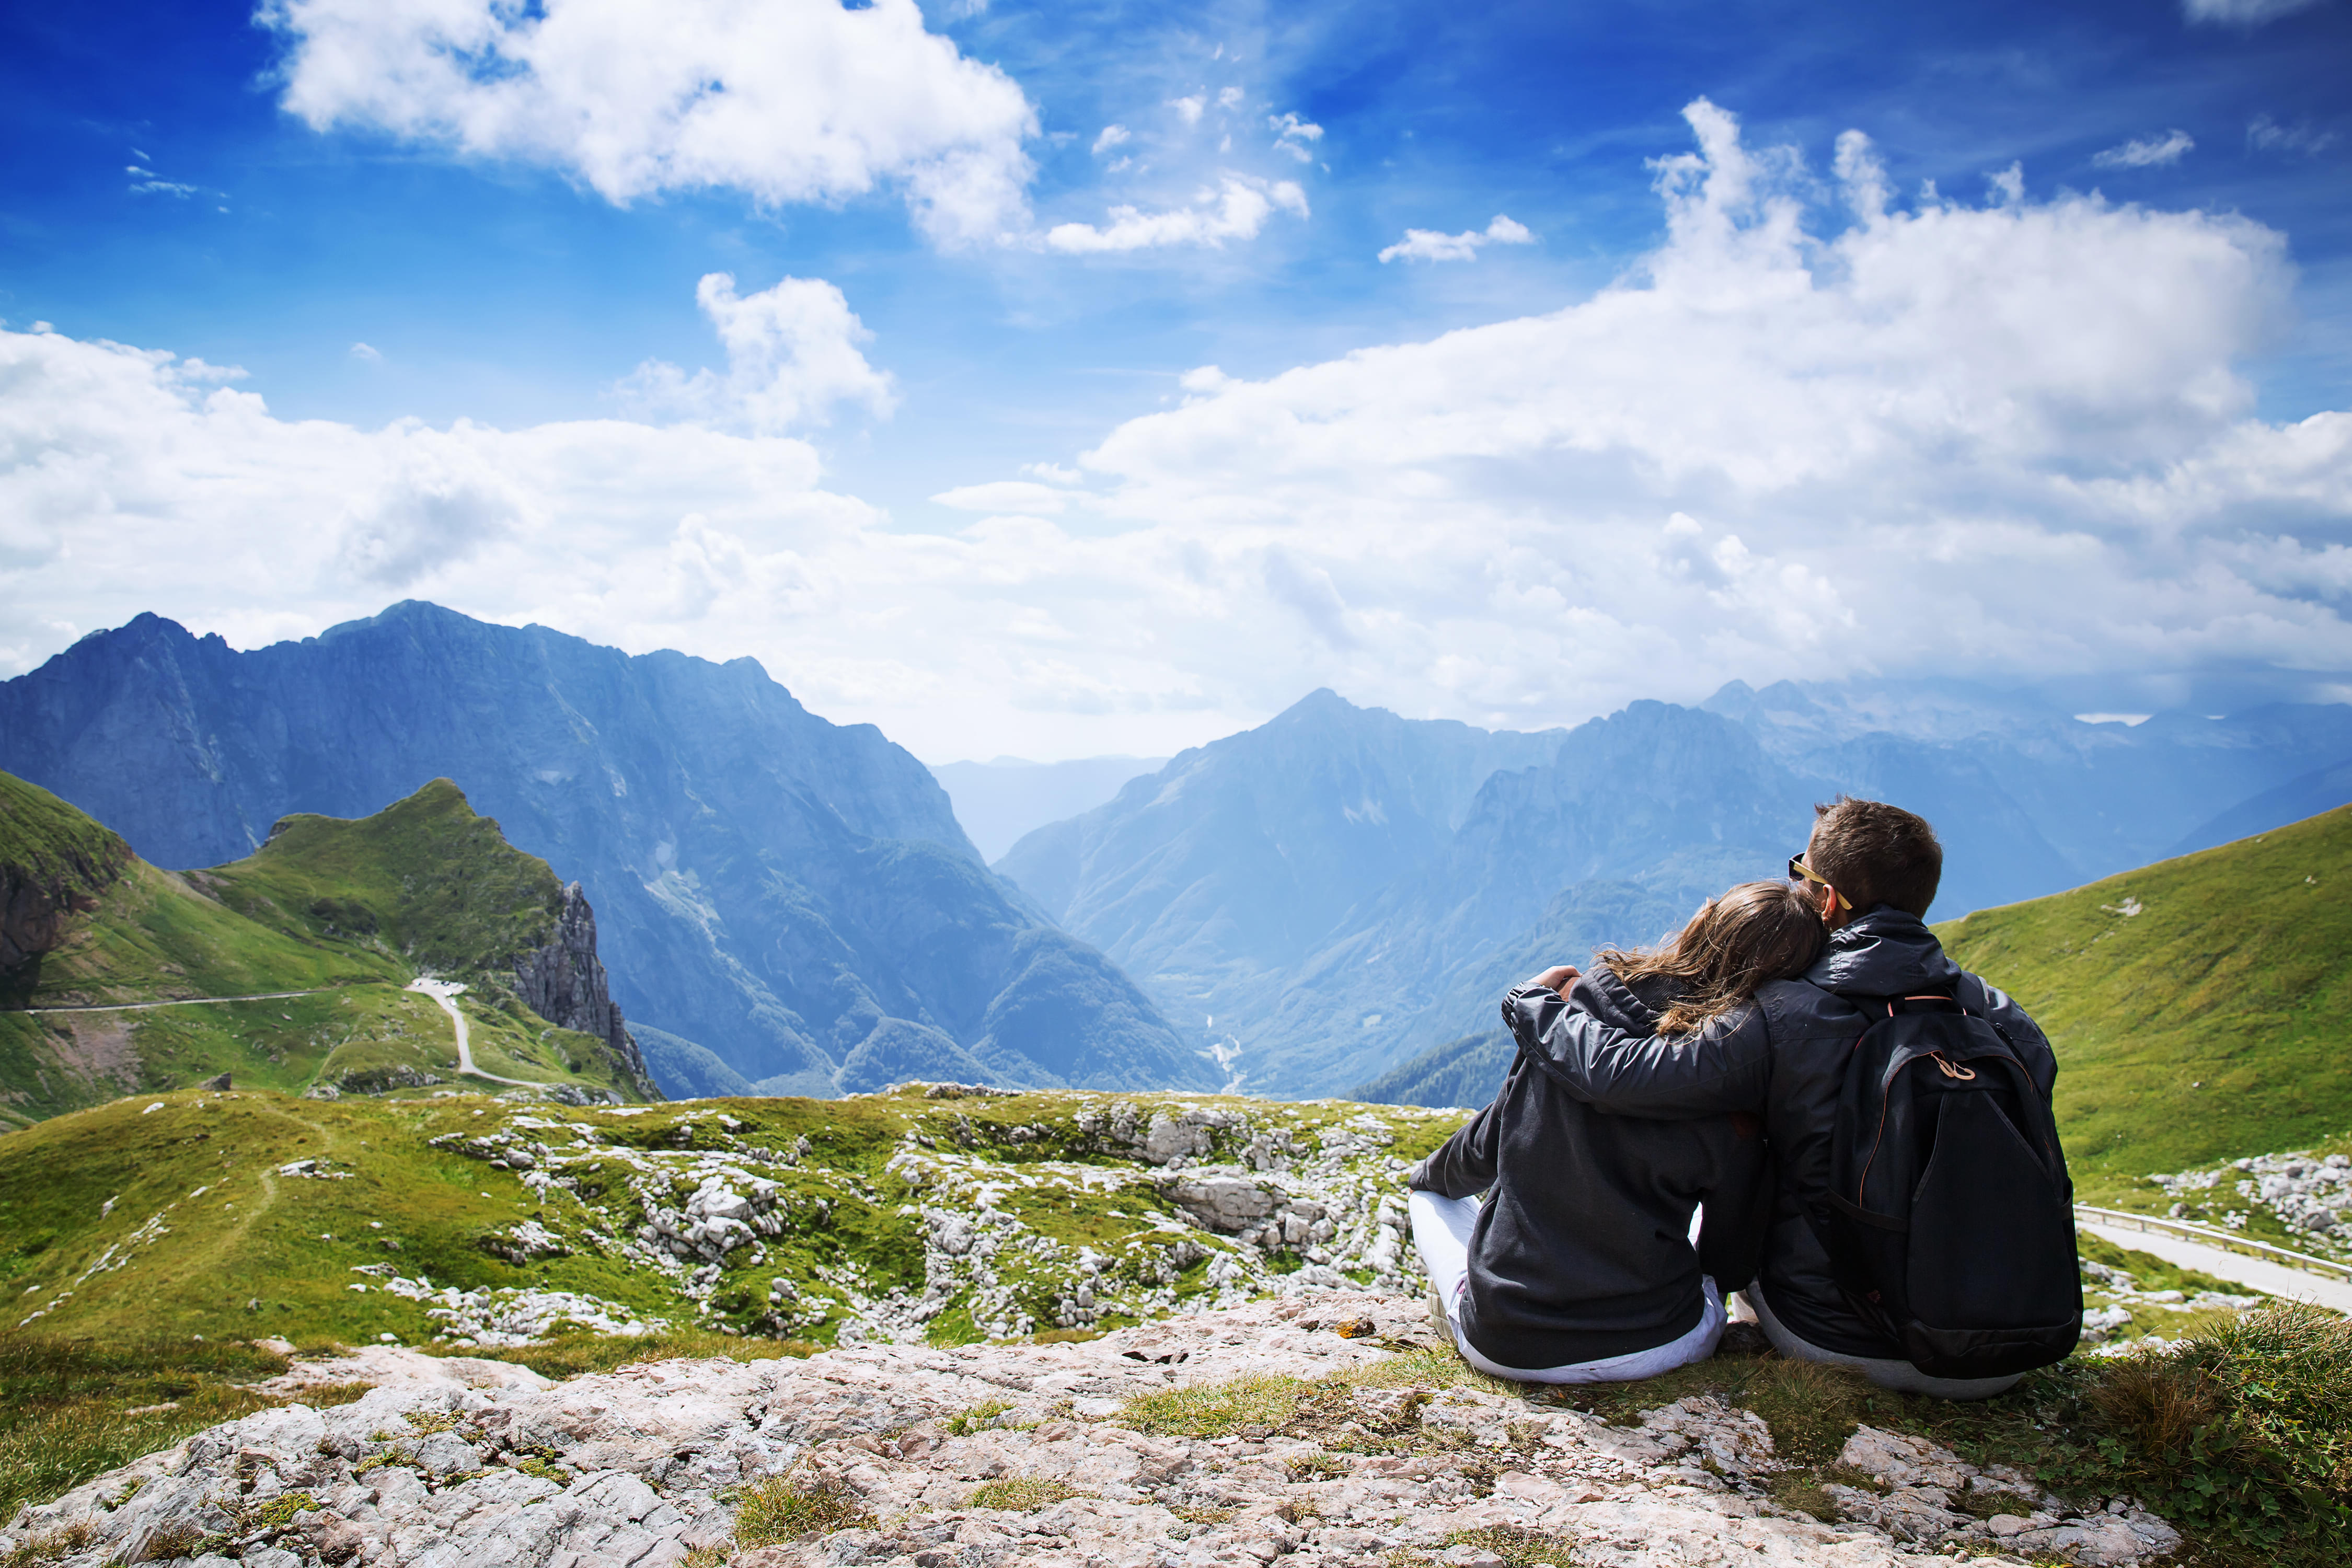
563 982
1317 1432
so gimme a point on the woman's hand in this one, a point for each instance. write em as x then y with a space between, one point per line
1559 977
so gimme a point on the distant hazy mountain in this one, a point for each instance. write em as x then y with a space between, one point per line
1213 881
1467 1072
998 802
1340 890
792 894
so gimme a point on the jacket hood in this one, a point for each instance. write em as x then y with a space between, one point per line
1886 953
1618 1004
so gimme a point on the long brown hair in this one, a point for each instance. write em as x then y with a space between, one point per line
1758 932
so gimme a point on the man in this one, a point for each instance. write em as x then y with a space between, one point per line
1872 870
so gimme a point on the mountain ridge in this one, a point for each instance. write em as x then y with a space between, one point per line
1607 834
769 885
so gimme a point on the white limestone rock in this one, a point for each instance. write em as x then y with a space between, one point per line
637 1468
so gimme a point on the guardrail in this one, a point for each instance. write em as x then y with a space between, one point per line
2213 1235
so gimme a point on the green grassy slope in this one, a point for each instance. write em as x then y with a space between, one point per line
349 911
46 843
424 878
2209 1025
122 1221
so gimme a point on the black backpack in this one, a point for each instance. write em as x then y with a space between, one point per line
1951 1221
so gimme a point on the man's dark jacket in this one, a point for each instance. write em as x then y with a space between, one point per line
1582 1249
1783 1058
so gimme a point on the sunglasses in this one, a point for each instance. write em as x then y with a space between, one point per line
1801 873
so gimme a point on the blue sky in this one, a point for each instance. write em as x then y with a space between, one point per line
187 180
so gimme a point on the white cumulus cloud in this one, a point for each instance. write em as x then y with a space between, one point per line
1429 245
1112 136
791 353
1797 439
1235 208
789 101
1188 107
2147 152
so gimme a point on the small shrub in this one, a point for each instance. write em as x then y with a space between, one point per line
782 1509
1022 1494
1255 1405
1516 1545
428 1422
1317 1467
706 1557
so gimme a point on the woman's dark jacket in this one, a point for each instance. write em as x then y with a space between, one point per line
1582 1250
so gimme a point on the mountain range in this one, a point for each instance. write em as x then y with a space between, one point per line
792 895
1325 896
791 906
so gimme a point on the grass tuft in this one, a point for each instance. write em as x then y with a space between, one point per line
1811 1409
1023 1494
1255 1405
1518 1546
784 1508
50 1545
964 1423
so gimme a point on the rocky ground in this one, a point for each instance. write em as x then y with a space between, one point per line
1324 1429
2310 1195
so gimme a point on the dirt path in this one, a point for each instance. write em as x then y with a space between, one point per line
446 992
2274 1279
190 1001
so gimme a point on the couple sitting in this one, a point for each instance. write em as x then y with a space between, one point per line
1758 1069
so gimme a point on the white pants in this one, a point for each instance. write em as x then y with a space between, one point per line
1899 1375
1441 1233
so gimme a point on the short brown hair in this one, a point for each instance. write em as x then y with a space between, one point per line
1873 854
1757 932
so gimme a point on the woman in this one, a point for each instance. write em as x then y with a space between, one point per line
1580 1265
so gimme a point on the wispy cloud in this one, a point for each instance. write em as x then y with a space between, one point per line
146 182
2241 13
2265 135
1112 136
1188 108
1235 208
1293 135
2147 152
1429 245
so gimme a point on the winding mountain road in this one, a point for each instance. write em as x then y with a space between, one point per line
445 992
2270 1277
188 1002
